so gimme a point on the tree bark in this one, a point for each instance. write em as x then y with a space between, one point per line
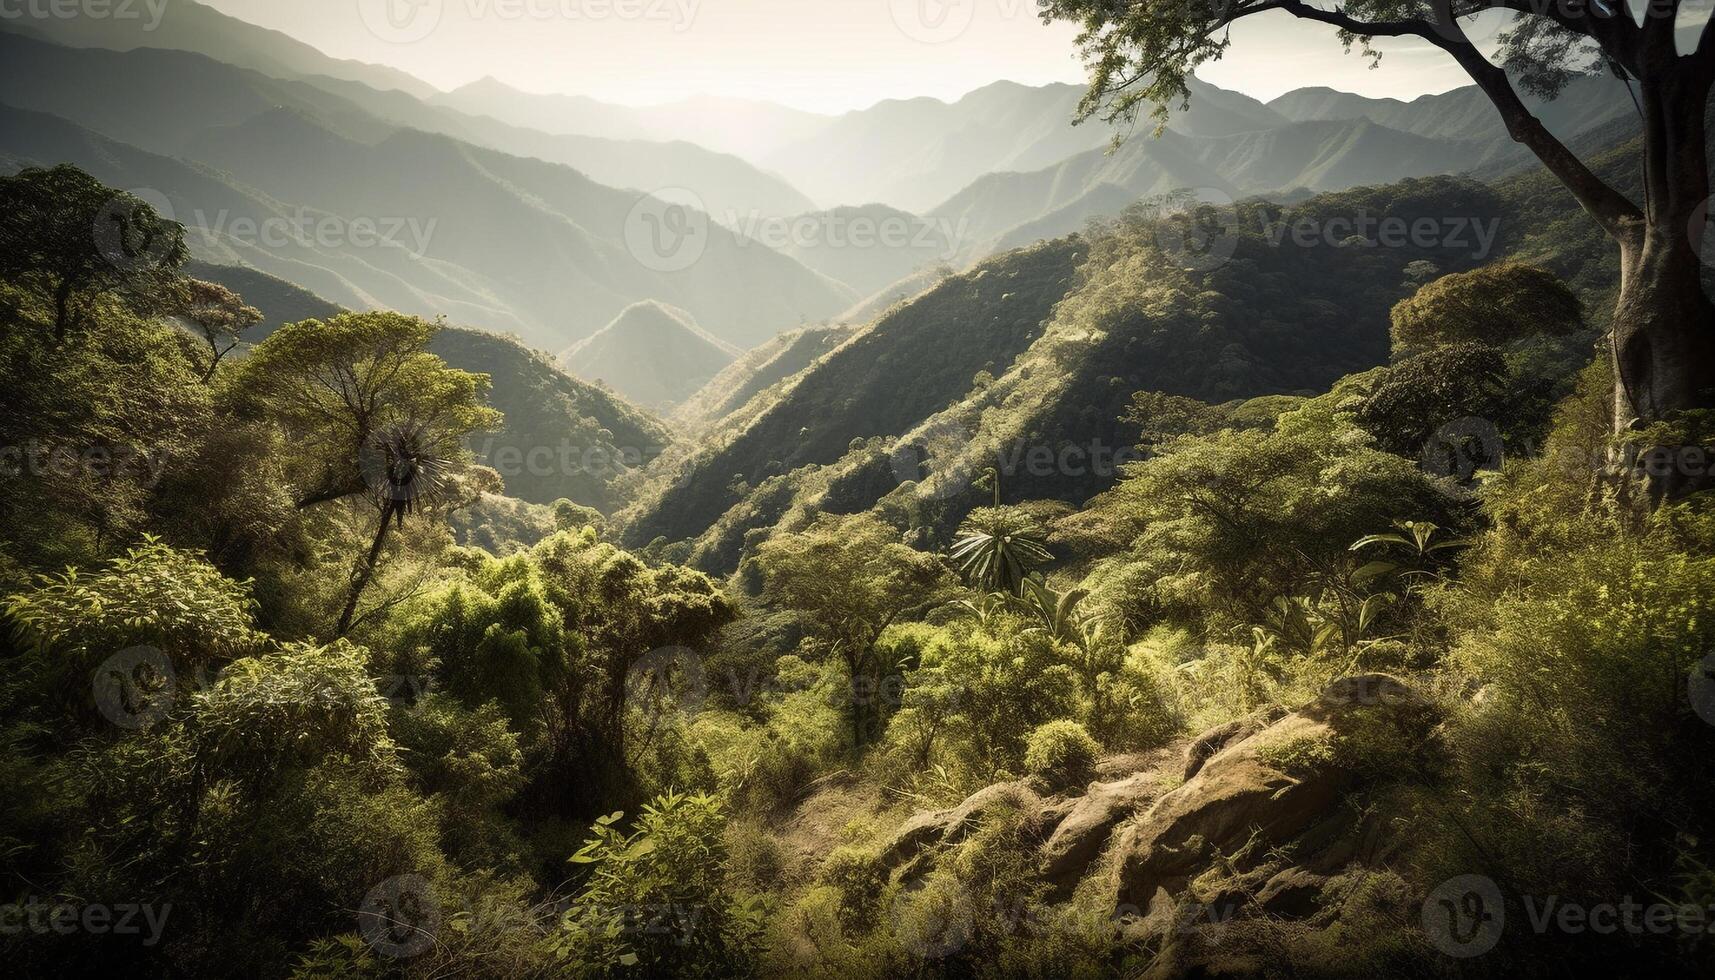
1663 339
365 570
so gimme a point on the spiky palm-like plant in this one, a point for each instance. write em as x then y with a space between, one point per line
997 549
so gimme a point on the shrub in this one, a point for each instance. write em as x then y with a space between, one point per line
1061 752
656 898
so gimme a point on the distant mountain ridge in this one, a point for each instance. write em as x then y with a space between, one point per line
127 95
1464 113
185 25
915 153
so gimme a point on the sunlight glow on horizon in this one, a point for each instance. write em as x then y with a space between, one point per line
826 56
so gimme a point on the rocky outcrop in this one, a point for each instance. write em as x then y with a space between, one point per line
1266 816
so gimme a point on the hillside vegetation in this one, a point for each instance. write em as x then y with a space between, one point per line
1304 666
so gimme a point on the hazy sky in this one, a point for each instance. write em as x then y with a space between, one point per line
825 55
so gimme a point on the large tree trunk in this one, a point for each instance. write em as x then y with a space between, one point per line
1663 342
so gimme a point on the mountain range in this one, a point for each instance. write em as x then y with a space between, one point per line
537 214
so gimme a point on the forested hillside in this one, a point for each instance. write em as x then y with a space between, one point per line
584 518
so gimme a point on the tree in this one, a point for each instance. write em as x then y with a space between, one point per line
217 314
1663 336
67 237
853 576
1418 396
997 548
370 413
1492 305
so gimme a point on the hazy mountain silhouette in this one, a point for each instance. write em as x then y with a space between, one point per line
190 26
652 353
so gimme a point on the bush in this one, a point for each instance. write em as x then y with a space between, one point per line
656 898
1061 752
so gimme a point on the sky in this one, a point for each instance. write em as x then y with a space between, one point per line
822 55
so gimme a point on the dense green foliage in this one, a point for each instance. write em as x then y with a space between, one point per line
304 682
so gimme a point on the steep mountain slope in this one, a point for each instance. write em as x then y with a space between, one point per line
1277 317
163 100
651 353
881 382
719 405
915 153
185 25
276 299
744 127
562 437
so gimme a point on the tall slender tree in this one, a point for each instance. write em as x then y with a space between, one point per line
369 413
